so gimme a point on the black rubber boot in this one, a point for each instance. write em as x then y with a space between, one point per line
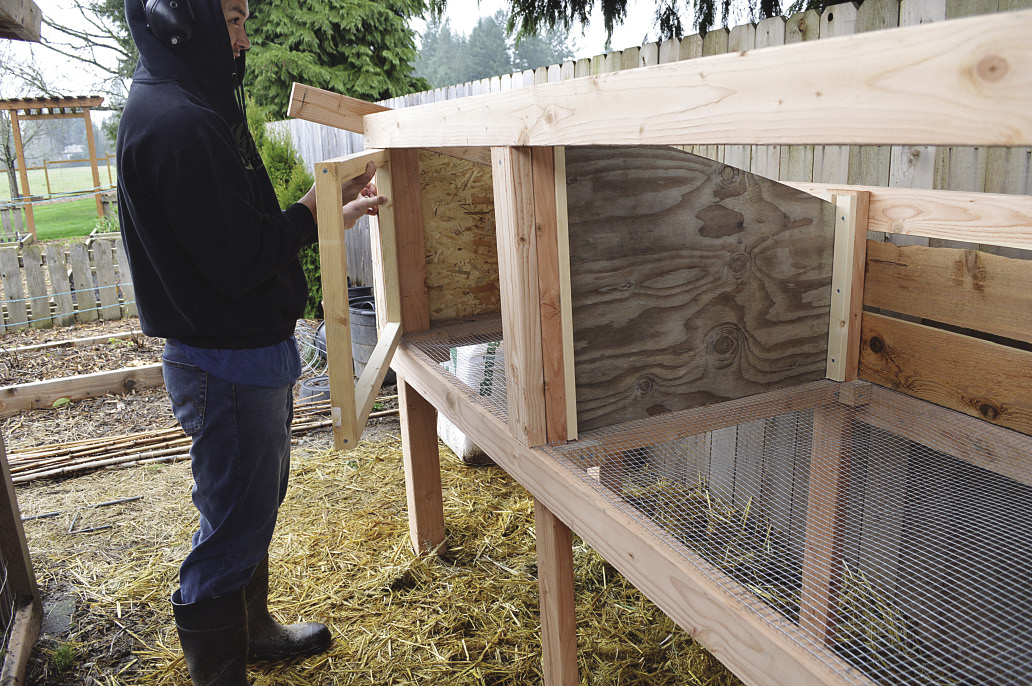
270 640
213 634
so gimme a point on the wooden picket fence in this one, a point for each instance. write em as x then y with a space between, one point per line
60 285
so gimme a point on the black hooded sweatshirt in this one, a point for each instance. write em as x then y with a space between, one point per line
213 258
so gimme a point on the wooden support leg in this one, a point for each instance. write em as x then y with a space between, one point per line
555 585
825 522
422 469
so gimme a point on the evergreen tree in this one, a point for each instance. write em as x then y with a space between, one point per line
361 48
487 49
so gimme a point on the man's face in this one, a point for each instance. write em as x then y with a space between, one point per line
236 12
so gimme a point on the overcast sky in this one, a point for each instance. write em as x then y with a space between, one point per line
70 77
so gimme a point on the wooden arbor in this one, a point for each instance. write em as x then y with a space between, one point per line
36 109
956 83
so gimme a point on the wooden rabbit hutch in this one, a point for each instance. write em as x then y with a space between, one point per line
808 448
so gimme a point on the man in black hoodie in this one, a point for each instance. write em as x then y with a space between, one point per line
216 272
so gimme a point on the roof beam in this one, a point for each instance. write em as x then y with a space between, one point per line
960 82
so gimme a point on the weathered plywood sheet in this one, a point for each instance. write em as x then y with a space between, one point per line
459 232
693 282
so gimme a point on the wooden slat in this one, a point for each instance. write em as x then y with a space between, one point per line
981 218
43 103
58 271
329 108
14 293
42 394
376 368
125 278
19 579
797 160
972 440
961 83
106 280
407 201
39 301
678 426
825 522
690 591
556 592
831 162
333 265
566 293
550 293
847 285
422 469
965 288
20 20
82 276
518 279
384 252
978 378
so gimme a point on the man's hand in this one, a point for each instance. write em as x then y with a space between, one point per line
358 196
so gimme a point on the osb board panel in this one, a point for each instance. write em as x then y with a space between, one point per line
693 282
459 232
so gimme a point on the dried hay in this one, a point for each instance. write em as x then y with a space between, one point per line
341 555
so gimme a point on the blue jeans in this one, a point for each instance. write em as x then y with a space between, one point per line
241 462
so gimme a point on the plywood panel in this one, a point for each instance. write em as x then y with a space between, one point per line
702 283
459 230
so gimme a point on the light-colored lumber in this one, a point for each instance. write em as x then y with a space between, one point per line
691 591
39 303
384 252
556 592
42 394
825 522
847 285
24 632
58 271
350 166
980 218
979 378
831 162
797 160
962 83
550 292
965 288
518 280
969 439
422 469
329 108
333 264
14 292
407 202
369 383
678 426
566 292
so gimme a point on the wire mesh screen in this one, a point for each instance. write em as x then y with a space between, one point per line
7 604
893 543
471 351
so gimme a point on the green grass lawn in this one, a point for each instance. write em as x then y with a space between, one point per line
68 220
63 179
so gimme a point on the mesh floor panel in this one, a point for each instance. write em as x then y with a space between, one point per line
841 510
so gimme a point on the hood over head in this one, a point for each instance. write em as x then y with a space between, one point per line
204 63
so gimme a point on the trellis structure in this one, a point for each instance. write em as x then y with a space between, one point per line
38 109
761 418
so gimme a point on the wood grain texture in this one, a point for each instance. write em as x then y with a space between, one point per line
963 83
847 288
329 108
700 283
965 288
14 291
461 253
972 440
422 469
549 292
82 281
683 585
107 282
518 281
978 378
42 394
556 592
980 218
408 239
39 303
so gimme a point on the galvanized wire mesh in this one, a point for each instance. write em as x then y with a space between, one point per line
894 544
